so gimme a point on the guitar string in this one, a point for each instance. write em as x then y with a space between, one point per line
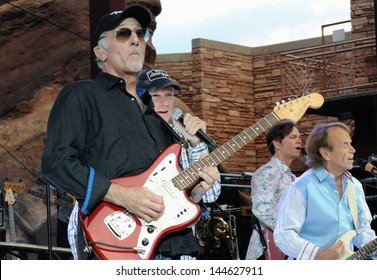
186 178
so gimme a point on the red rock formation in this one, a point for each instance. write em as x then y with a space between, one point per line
45 45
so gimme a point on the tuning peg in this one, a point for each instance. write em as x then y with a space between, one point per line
277 103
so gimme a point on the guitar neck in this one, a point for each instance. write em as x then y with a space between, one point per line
58 201
64 203
35 193
188 178
364 252
12 224
20 187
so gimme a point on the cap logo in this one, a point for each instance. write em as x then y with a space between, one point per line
156 74
115 13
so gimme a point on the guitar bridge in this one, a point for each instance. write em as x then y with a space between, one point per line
121 224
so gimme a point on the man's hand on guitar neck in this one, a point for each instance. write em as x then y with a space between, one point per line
333 252
209 175
138 200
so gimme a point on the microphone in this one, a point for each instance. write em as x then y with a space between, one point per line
372 159
367 166
178 115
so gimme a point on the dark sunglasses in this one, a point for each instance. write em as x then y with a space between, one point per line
122 34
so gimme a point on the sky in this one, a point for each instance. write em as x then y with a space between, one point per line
251 23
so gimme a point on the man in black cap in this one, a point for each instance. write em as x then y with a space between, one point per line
100 130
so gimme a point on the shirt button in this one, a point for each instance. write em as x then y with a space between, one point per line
132 99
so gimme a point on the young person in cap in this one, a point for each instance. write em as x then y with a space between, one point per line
100 130
270 180
325 203
157 85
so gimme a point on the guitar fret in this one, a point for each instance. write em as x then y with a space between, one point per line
253 131
238 146
258 126
190 174
218 159
35 193
231 146
243 141
187 177
178 182
364 252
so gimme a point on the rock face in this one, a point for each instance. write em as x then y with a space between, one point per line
45 45
39 50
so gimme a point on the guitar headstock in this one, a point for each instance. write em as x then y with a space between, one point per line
9 197
294 109
17 186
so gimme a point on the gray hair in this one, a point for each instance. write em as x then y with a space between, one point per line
102 43
318 138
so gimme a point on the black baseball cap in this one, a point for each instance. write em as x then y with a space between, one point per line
153 80
113 19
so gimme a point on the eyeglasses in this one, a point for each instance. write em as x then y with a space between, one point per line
122 34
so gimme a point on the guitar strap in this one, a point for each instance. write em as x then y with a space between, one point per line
258 228
179 139
351 196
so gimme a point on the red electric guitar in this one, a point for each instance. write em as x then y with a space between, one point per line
272 252
114 233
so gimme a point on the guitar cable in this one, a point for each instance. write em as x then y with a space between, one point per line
123 248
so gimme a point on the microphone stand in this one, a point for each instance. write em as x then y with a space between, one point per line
49 241
49 231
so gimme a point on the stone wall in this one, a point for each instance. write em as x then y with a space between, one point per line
362 18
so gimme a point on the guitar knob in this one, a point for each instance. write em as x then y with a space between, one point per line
145 242
150 229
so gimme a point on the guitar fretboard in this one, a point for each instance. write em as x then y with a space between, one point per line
35 193
12 224
58 201
187 178
364 252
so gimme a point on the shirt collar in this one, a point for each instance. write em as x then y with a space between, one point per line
321 173
281 164
110 81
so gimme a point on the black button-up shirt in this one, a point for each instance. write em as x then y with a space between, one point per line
96 132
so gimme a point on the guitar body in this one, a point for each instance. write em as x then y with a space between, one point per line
111 224
362 253
346 238
272 251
